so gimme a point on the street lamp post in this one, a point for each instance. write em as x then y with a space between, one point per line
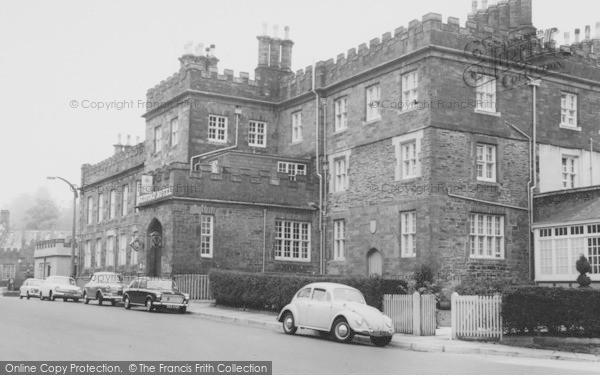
74 190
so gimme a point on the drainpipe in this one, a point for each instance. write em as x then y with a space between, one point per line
534 85
319 175
264 260
238 111
591 162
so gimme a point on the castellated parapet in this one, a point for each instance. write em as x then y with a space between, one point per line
131 157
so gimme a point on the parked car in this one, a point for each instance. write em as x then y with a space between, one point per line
30 288
104 286
63 287
335 310
155 295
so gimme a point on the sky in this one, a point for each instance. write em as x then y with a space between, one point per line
58 57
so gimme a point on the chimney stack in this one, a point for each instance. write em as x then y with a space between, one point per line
5 219
286 50
567 38
212 59
275 48
118 147
597 35
263 47
526 13
588 31
484 4
577 32
474 5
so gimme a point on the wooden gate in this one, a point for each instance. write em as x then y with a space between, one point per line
476 317
413 314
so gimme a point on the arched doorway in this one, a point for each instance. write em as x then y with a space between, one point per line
374 262
154 254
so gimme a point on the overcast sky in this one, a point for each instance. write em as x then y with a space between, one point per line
54 52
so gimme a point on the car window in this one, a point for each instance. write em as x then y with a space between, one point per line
134 284
93 278
304 293
143 284
319 295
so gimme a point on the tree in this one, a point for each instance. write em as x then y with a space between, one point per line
42 215
583 267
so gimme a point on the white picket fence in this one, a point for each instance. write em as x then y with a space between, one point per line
476 317
197 286
413 314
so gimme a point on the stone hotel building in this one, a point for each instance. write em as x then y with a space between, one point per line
466 147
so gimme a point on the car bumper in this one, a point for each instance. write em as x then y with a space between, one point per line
374 333
113 297
59 294
170 304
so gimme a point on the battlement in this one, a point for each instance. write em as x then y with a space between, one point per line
131 157
239 184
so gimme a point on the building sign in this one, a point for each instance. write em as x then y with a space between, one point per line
146 184
136 244
145 198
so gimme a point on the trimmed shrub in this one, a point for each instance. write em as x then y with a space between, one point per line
273 291
485 286
533 310
583 267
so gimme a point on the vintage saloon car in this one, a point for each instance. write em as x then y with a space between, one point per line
104 286
155 294
30 288
337 310
62 287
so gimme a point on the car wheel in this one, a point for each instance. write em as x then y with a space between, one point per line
41 296
86 300
289 325
342 331
65 299
51 297
149 305
75 299
113 302
183 309
99 298
126 303
381 341
28 295
20 297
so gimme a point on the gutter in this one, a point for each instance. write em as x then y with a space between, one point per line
534 85
319 175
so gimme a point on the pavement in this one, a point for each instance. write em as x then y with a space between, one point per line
440 343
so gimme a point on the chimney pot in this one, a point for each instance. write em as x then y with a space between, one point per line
588 30
577 32
597 36
567 38
474 5
484 4
119 139
199 49
137 139
265 27
287 32
276 31
128 139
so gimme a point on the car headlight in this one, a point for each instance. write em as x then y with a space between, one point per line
158 295
186 296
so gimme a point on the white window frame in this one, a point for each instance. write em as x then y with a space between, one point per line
569 165
292 240
87 260
339 180
98 252
217 128
373 95
100 207
112 204
410 90
486 236
157 139
297 127
257 133
341 115
90 209
110 250
399 143
410 159
485 94
174 131
207 230
122 254
568 110
291 169
486 156
125 200
339 239
408 234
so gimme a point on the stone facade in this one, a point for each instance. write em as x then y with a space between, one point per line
210 181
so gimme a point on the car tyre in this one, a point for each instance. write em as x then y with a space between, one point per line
126 303
65 299
51 297
41 296
289 325
28 295
342 331
20 297
149 305
381 341
86 300
183 309
99 298
113 302
75 299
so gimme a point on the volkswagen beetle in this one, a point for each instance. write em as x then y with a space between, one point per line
337 310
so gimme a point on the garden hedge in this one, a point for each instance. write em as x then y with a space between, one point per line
535 310
273 291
